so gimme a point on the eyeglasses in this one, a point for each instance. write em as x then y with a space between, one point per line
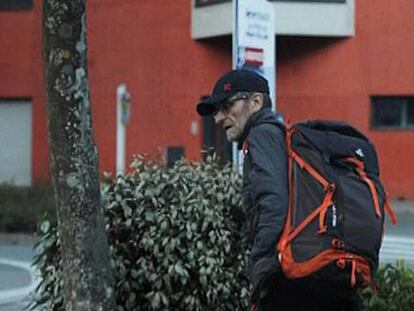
226 106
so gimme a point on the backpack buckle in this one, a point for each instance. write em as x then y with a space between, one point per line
338 244
330 188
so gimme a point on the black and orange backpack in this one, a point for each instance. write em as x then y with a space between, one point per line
337 204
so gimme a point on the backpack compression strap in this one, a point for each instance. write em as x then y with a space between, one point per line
321 210
390 210
360 169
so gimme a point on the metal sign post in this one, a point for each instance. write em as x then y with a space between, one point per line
254 45
123 112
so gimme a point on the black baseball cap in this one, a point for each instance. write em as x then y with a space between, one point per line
239 80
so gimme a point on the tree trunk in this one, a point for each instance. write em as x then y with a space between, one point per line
88 279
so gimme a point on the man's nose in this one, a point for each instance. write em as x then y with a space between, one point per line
218 117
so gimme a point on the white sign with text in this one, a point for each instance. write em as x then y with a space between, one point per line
254 37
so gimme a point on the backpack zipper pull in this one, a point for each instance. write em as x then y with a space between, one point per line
353 272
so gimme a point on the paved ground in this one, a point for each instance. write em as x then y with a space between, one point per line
13 277
15 306
399 240
16 254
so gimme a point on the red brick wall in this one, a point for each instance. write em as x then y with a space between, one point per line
334 79
147 45
21 77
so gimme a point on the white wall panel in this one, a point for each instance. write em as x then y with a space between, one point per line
15 142
292 19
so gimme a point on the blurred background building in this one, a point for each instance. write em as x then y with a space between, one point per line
336 59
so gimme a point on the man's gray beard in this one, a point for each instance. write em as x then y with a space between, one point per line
232 139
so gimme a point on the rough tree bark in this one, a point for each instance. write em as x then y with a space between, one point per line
88 281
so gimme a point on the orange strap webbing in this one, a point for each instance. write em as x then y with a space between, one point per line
389 210
306 166
245 147
358 265
327 201
373 192
288 225
360 168
321 210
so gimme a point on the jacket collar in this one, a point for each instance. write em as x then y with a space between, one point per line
264 115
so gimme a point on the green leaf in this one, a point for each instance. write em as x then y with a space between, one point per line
127 210
149 216
45 226
134 273
155 303
179 269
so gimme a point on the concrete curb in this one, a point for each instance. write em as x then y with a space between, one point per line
16 295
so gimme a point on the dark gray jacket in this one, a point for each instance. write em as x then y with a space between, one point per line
265 190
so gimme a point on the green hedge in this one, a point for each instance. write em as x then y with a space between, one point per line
395 289
175 236
177 243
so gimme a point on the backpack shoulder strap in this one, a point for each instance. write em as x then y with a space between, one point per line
279 123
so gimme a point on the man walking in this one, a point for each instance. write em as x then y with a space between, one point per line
240 103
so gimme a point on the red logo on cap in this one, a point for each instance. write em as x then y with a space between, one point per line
227 87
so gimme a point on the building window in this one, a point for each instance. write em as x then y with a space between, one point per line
16 5
208 2
392 112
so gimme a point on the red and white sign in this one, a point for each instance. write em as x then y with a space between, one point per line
253 57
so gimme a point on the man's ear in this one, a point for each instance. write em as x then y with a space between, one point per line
256 102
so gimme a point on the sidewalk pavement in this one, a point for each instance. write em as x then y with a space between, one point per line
18 278
401 207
